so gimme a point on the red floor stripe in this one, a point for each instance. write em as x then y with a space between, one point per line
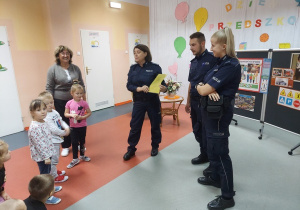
106 144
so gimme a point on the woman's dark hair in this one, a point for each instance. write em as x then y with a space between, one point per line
144 48
60 49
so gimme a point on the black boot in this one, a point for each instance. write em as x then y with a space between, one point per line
200 159
129 154
220 203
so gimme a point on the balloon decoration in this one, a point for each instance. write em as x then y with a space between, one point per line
180 45
264 37
200 18
173 69
181 11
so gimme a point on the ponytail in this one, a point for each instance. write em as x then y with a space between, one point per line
225 36
230 49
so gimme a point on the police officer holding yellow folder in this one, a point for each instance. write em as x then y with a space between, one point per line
140 76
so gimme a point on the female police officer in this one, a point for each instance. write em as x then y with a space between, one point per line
140 76
220 84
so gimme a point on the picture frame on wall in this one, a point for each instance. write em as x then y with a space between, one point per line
295 65
251 69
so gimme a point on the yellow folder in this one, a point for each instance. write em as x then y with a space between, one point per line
154 87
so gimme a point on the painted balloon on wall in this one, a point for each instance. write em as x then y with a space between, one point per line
180 45
181 11
200 18
173 69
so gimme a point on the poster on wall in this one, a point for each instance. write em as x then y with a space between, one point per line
265 75
295 65
289 98
282 77
133 40
245 102
250 74
94 39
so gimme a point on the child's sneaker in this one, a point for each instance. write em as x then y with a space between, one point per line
85 158
61 178
73 163
53 200
57 188
61 172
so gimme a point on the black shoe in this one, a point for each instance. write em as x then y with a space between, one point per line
219 203
129 154
208 181
208 171
200 159
154 151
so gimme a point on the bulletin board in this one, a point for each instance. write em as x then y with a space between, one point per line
276 114
258 96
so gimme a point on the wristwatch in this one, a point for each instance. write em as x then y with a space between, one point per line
200 83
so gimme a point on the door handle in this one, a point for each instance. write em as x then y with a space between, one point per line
87 70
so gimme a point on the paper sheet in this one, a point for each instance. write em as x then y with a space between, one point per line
154 87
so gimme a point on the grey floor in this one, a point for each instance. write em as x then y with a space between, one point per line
265 176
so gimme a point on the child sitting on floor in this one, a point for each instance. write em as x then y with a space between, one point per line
4 156
40 187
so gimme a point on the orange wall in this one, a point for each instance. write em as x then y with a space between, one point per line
36 27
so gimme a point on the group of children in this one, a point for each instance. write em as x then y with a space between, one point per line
45 135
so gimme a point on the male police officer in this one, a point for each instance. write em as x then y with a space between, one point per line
200 65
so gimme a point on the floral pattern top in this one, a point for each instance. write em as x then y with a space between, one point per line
40 143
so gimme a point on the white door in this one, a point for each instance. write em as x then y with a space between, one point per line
97 67
133 40
10 110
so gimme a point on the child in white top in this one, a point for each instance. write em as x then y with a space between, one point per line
58 129
40 143
78 111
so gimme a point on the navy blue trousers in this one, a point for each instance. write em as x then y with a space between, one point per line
217 133
152 107
197 126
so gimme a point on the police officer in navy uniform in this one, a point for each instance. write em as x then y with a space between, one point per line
220 85
200 65
140 76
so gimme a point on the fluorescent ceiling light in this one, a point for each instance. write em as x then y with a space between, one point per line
115 5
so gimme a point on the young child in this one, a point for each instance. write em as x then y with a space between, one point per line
40 143
4 156
78 111
58 128
40 187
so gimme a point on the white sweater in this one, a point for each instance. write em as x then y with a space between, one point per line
56 125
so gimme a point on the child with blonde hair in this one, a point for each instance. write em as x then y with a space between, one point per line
78 111
58 129
40 142
4 156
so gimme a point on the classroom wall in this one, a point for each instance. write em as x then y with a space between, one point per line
36 27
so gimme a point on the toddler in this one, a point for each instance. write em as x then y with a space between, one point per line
40 143
4 156
58 128
40 187
78 111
